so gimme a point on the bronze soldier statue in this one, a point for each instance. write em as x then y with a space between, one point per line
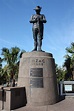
37 20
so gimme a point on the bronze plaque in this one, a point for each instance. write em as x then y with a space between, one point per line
36 72
36 82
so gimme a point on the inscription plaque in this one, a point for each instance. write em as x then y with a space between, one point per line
36 72
36 82
39 62
68 87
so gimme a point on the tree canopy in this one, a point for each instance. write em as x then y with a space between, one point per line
11 57
69 62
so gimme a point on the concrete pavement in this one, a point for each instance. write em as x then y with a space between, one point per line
64 105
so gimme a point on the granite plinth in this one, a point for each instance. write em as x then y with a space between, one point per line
37 74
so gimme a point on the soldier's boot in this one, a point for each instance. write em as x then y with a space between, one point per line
35 46
39 44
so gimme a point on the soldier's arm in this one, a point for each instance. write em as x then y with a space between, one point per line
43 19
32 20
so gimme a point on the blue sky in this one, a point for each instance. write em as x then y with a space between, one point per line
15 29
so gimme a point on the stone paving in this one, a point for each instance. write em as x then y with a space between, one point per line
64 105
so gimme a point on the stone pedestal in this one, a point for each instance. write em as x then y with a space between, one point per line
37 74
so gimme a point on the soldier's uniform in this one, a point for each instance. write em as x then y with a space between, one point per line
37 20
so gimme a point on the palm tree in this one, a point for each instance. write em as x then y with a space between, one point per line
60 73
2 74
69 61
70 49
12 57
0 70
71 52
